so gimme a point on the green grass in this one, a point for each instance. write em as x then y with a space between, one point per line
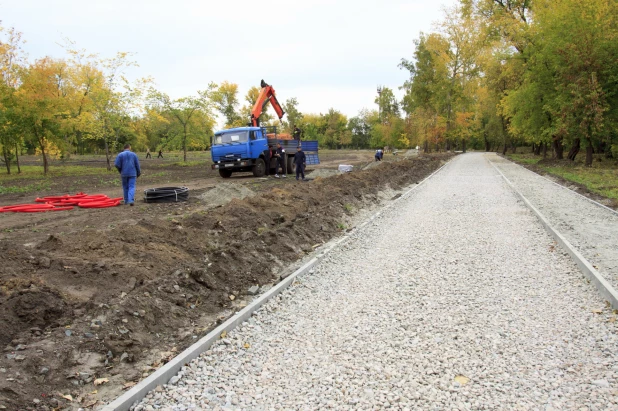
524 158
598 180
189 163
601 178
21 189
36 172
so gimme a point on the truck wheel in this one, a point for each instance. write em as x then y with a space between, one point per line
290 165
259 168
225 173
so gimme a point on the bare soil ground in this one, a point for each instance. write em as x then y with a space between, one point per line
116 293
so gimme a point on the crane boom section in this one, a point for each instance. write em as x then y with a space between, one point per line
267 94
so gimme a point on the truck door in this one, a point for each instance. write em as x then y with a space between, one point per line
257 143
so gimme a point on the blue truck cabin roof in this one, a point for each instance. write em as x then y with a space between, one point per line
235 129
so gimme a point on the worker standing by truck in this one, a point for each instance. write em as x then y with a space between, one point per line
280 155
296 133
268 154
300 160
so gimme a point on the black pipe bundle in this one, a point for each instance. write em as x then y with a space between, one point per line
166 194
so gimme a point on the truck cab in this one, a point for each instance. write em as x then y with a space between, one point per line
239 149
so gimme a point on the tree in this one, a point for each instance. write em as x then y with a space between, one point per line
39 104
183 110
11 62
293 116
225 99
387 104
361 126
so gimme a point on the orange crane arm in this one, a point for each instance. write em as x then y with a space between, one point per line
266 94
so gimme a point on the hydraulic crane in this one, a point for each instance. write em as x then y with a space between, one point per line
267 94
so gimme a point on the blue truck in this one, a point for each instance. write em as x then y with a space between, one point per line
243 149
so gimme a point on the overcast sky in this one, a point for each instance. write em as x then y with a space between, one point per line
326 53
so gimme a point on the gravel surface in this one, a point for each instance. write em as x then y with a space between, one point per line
456 298
593 230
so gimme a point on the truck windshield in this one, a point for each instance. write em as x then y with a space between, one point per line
232 137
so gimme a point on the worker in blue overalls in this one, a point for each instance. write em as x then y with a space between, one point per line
127 165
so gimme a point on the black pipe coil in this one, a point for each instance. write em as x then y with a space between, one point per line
166 194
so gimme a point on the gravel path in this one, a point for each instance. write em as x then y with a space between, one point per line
591 229
453 299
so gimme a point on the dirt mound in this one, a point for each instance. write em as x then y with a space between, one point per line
411 153
224 192
372 165
25 308
118 302
322 173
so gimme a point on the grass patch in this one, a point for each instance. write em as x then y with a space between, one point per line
22 189
36 172
188 163
601 181
524 158
601 178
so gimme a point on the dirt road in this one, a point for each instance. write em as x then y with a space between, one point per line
455 299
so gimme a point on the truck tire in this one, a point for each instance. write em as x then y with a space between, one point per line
290 163
225 173
259 168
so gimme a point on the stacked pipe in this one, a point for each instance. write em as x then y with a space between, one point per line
62 203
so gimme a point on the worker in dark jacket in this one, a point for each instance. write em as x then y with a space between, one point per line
280 156
300 160
127 164
268 154
296 133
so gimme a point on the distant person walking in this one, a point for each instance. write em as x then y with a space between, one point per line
280 156
296 133
160 154
127 164
379 155
148 153
300 160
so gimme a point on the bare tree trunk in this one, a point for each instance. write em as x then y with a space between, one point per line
574 150
184 142
7 159
558 148
45 165
463 145
107 156
505 135
426 147
589 152
533 147
544 151
17 157
537 149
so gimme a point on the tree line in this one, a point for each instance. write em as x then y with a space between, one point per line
496 74
84 103
493 75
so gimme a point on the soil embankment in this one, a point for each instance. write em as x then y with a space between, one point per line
118 298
